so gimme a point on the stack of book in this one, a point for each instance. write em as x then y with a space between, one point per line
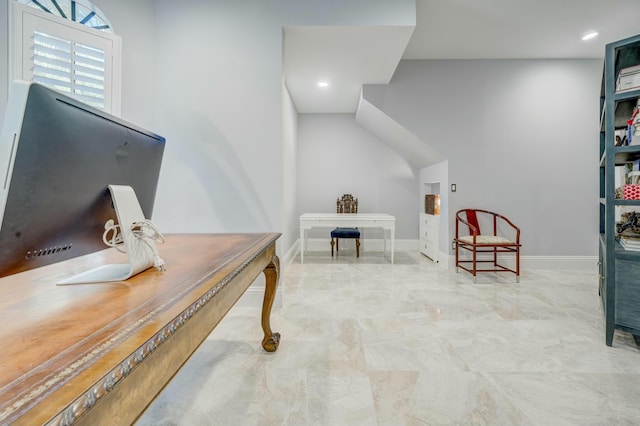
628 79
630 243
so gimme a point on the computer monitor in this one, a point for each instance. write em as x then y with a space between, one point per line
57 158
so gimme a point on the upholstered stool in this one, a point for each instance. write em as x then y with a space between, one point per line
345 233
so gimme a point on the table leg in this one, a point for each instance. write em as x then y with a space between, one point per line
271 340
384 240
393 242
301 245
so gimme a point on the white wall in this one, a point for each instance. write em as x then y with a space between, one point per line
134 23
337 156
4 57
290 170
218 85
520 137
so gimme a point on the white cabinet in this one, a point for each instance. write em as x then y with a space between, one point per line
429 228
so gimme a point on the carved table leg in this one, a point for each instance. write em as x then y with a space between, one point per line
271 273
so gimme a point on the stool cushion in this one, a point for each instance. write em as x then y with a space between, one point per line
345 233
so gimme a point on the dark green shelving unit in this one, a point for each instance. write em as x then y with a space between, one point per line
619 269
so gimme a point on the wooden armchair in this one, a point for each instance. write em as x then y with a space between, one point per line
504 238
346 204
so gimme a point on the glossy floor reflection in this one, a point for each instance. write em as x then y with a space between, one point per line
365 342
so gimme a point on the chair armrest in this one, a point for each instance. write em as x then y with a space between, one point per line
474 231
511 224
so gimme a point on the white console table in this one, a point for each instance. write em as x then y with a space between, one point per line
347 220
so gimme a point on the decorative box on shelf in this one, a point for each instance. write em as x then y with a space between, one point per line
432 204
628 79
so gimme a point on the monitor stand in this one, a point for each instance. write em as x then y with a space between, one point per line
139 252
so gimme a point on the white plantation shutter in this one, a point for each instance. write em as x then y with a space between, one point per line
88 80
65 56
52 61
69 67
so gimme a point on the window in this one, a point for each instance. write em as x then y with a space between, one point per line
80 11
81 60
69 67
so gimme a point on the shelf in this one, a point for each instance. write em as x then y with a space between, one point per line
624 109
628 95
619 269
627 254
625 154
624 105
619 202
627 54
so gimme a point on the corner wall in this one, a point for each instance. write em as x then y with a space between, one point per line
289 174
337 156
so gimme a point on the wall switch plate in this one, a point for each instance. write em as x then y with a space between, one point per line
453 187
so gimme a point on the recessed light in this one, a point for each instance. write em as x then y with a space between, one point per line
323 84
590 35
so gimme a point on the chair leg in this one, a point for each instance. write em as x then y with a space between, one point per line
357 247
332 243
495 257
475 264
517 264
337 245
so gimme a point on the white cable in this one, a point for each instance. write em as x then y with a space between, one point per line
116 241
147 232
144 231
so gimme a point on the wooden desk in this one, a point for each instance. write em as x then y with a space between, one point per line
99 353
348 220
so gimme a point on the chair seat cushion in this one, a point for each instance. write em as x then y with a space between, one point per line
486 239
345 233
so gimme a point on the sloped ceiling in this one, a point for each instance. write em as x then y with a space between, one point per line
348 57
344 57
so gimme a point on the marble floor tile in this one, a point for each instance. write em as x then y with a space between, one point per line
441 398
365 342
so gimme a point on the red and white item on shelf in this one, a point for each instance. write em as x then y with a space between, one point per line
632 191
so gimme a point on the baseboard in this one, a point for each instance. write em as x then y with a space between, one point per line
544 262
560 262
254 295
447 260
291 254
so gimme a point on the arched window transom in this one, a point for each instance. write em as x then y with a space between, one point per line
81 11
